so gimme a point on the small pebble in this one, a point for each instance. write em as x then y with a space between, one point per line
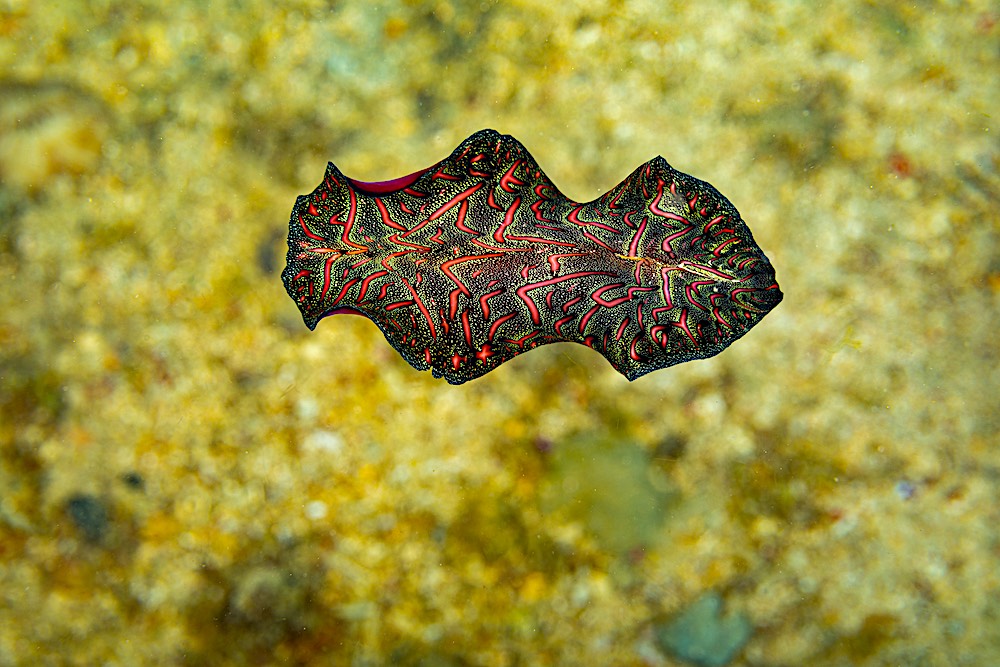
134 480
316 510
702 636
88 515
905 489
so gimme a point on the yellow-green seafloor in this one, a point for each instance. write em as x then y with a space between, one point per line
189 476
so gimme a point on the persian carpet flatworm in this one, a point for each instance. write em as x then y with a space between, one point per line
479 258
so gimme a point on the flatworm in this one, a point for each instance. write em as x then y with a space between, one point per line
479 258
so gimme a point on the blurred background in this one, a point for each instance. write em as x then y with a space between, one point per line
189 476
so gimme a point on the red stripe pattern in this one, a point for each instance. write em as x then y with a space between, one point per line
479 258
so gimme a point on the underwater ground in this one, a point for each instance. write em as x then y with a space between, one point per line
190 476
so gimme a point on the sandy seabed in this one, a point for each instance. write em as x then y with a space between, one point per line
189 476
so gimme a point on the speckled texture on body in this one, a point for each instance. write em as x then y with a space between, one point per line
186 476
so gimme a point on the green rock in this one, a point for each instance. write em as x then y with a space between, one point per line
702 636
611 488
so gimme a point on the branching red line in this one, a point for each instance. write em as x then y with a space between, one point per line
573 217
446 268
633 249
460 222
415 228
307 232
657 333
561 321
496 325
711 223
666 285
349 224
535 208
466 329
621 328
566 306
509 178
654 206
598 241
395 238
461 196
722 245
692 290
683 326
367 281
453 302
326 276
522 291
391 255
444 176
523 339
508 218
420 305
666 245
598 297
384 212
586 317
344 291
484 302
492 203
614 201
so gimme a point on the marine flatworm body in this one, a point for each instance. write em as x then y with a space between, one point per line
479 258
